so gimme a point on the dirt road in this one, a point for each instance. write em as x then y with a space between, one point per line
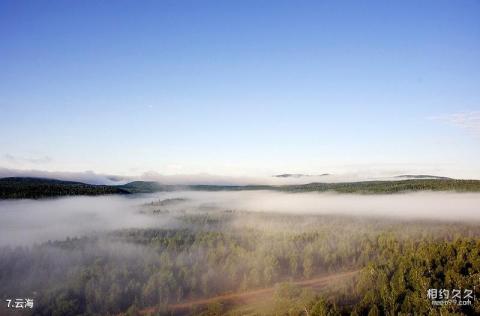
244 297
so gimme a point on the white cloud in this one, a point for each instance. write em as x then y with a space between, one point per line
27 160
86 176
469 121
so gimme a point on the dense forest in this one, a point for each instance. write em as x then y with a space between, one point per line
213 251
34 188
363 187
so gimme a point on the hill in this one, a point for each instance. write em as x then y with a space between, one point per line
35 188
149 187
363 187
420 176
379 187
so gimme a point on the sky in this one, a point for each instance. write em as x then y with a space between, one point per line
240 88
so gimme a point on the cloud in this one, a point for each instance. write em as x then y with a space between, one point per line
27 160
92 177
205 178
31 221
436 206
378 174
85 176
469 121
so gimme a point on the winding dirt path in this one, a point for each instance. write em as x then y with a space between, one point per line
243 297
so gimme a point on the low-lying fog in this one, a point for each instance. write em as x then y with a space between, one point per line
29 221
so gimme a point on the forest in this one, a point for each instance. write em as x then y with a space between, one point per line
36 188
239 158
212 251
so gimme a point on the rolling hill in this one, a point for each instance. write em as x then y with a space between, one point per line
35 188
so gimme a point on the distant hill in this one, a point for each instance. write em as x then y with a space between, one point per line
420 176
35 188
147 187
364 187
387 187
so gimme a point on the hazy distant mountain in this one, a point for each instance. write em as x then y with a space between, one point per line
147 187
420 176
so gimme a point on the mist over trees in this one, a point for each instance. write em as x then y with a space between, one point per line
216 250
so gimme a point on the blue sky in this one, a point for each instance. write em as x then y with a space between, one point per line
240 87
